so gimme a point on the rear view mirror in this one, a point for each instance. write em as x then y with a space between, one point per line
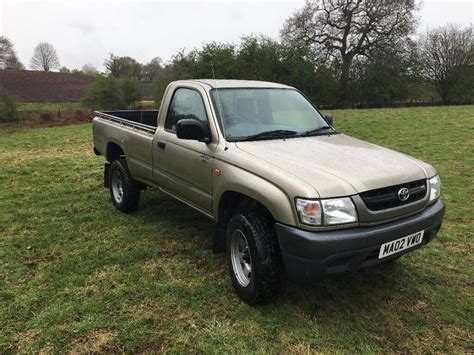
329 118
192 130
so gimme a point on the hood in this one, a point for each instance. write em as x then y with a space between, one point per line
338 165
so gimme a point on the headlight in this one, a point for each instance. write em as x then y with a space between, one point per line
339 210
331 211
435 187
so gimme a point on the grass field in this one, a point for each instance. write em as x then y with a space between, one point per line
54 106
48 106
41 114
75 274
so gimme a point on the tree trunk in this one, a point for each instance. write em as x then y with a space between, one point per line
343 99
444 93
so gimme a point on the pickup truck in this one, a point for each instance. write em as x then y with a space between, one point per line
289 193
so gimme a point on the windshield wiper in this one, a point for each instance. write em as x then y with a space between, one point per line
314 131
270 134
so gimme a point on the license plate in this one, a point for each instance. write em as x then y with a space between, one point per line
398 245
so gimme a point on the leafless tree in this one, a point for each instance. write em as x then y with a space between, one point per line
44 57
447 55
8 57
345 29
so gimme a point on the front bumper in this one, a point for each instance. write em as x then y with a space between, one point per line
308 254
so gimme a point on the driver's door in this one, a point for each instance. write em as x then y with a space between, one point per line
184 167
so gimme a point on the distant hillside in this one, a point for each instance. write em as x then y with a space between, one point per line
40 86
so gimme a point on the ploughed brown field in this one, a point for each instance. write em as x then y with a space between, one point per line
40 86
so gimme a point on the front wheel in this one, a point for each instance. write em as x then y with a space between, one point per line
124 191
253 258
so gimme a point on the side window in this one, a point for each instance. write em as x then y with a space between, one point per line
186 103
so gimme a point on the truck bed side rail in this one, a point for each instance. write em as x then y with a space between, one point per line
136 119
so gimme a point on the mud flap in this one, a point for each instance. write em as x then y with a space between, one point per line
218 243
106 175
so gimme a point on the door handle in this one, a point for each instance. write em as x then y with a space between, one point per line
161 145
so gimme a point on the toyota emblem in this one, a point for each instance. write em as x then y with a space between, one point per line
403 194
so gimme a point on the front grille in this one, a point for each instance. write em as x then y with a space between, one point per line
387 197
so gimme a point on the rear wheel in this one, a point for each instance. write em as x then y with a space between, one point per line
124 191
253 258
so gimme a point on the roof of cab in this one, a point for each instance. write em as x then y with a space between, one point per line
220 83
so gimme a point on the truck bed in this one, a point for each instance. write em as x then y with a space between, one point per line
140 119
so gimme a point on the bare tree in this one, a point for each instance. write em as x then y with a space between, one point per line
447 54
44 57
8 57
345 29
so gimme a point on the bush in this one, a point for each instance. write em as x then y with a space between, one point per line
47 116
104 93
462 91
131 93
109 93
8 107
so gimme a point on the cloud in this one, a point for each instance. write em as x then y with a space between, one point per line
85 27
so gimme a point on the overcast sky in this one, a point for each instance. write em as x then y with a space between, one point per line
87 31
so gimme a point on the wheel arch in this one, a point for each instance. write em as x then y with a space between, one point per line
232 201
275 205
114 151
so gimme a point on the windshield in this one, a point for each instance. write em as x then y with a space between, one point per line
246 114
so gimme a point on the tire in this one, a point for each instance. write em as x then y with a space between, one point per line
253 258
124 191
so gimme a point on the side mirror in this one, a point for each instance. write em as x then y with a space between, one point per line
329 118
192 130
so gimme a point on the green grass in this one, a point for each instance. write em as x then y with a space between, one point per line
75 274
48 106
52 106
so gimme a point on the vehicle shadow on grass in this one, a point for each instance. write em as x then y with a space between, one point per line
162 211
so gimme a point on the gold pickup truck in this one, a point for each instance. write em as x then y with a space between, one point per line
289 193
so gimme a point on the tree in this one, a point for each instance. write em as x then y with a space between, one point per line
182 66
89 69
386 77
212 60
8 57
44 57
65 70
14 63
8 106
104 93
215 60
342 30
111 93
130 91
447 55
152 69
161 81
259 58
123 67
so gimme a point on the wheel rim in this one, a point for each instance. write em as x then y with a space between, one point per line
117 186
240 257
